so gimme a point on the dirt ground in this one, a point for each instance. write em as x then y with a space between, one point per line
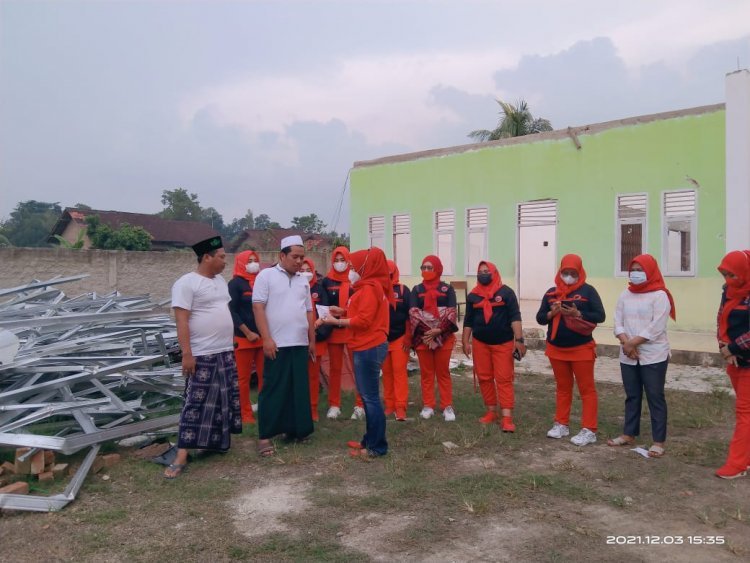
493 497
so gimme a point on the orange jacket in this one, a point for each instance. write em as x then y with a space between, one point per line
368 318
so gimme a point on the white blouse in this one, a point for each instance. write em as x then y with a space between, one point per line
645 315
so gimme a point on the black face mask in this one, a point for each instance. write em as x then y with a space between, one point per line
484 279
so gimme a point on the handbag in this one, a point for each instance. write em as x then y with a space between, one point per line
579 325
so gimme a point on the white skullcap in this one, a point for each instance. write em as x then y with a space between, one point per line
294 240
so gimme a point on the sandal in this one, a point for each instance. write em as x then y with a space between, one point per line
620 441
361 453
655 451
265 448
353 444
176 470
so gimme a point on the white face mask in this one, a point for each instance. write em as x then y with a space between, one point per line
252 267
637 278
353 277
307 275
340 266
569 280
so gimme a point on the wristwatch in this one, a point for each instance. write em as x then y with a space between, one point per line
520 340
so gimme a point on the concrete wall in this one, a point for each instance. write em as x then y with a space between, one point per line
131 273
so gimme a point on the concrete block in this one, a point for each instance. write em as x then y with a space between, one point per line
17 488
59 470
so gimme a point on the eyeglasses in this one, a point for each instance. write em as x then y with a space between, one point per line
426 268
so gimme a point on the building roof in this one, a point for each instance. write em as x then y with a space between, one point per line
271 239
164 232
571 132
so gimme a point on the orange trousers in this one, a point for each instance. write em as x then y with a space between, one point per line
336 362
436 364
395 376
495 371
245 358
739 448
583 373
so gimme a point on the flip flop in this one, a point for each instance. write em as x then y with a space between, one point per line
655 451
620 441
353 444
266 450
177 469
361 454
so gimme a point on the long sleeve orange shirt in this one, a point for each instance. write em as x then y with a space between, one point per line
368 318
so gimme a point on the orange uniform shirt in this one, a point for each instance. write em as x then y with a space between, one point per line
368 318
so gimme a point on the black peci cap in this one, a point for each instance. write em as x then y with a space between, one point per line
206 246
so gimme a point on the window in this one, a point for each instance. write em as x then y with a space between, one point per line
402 243
679 232
631 229
376 230
476 238
445 228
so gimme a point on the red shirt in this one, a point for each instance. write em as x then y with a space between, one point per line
368 318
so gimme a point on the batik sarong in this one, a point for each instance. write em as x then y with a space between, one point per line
211 412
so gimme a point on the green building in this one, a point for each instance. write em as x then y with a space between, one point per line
664 184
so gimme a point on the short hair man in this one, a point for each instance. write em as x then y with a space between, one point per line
283 313
211 412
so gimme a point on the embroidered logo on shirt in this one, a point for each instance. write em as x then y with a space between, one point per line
498 298
444 289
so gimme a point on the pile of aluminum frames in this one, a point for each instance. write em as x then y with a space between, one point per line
81 371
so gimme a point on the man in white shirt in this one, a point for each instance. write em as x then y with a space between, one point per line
211 412
283 313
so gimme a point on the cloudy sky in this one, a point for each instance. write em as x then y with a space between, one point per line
266 105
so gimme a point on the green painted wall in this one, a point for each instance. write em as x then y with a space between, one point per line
650 157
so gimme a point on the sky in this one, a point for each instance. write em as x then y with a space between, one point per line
266 105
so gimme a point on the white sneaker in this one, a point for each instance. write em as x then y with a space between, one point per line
426 413
358 414
448 414
254 406
558 431
333 413
585 436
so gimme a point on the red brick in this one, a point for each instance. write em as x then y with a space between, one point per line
47 476
22 467
37 463
111 459
17 488
8 467
98 464
59 470
49 457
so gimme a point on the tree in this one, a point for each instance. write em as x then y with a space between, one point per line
126 237
339 239
180 205
515 121
238 225
77 245
308 224
213 218
30 223
4 242
263 221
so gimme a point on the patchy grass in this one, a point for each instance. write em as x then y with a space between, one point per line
496 496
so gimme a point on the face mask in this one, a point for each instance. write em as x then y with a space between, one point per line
484 279
733 282
569 280
307 275
429 275
252 267
340 266
637 278
353 277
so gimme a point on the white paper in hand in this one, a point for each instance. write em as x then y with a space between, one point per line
323 311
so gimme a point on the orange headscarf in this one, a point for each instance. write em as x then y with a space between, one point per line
736 262
431 286
372 268
341 277
487 292
310 263
240 263
654 280
562 290
394 273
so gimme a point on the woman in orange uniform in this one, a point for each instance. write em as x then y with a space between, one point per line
248 345
432 312
395 376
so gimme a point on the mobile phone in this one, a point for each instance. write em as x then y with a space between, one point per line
517 354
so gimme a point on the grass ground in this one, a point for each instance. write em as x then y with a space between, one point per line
495 497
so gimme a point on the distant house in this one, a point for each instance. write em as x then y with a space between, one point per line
270 240
166 234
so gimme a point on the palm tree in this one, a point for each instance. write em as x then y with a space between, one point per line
515 121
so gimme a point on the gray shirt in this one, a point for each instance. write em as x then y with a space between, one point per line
287 300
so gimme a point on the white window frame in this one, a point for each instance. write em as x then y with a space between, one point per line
683 213
619 221
397 230
471 270
448 268
373 222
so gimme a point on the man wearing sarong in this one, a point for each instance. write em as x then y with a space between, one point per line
211 412
283 314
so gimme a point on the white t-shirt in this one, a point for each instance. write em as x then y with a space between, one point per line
210 322
287 300
645 315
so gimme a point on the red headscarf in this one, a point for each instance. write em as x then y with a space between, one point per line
487 292
562 290
341 277
240 264
654 280
736 262
372 268
431 286
310 263
394 273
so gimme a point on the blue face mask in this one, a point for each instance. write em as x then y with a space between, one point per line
637 278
